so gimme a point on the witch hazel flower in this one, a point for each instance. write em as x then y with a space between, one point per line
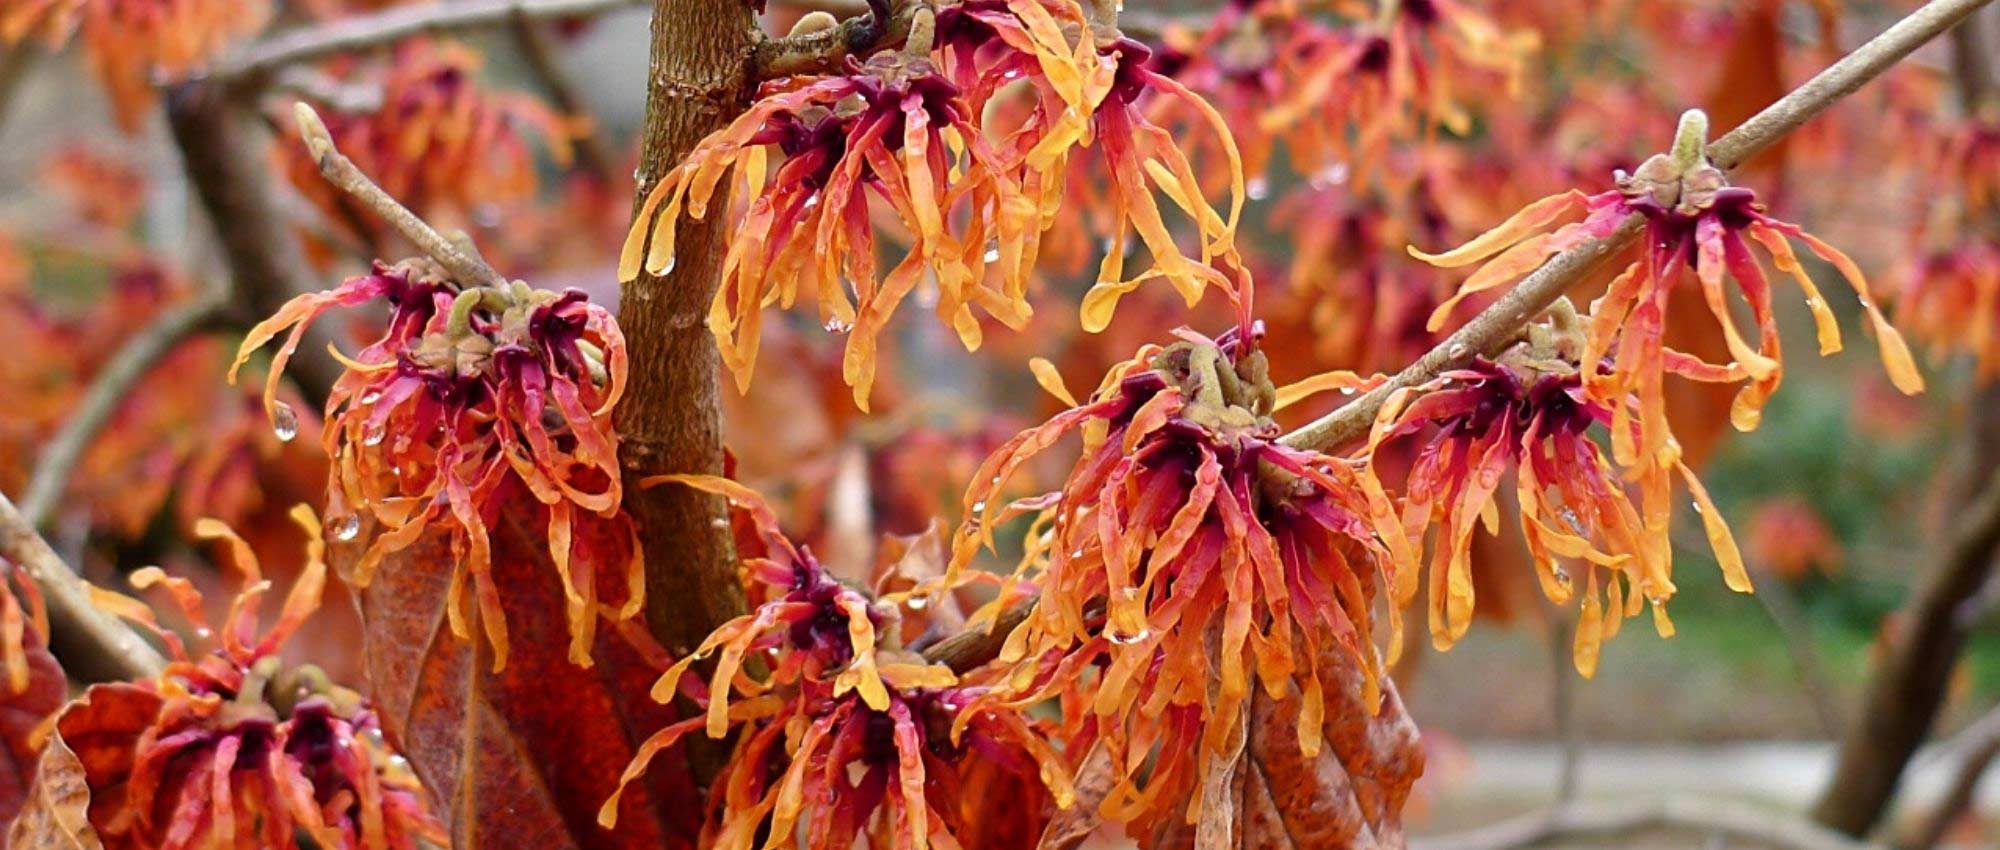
472 397
127 42
841 736
1698 229
1189 555
233 749
1405 71
814 155
1527 412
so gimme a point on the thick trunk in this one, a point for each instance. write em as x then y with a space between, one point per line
670 419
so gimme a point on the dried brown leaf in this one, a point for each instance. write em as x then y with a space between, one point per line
56 814
523 757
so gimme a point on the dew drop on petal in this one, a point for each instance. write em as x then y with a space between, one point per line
374 436
992 255
284 421
918 603
203 633
1127 640
1697 505
1456 350
979 507
836 326
1346 390
370 397
1561 576
347 527
1258 188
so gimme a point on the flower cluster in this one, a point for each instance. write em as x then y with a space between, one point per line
437 140
128 41
1188 555
1697 228
231 749
1338 90
967 135
840 734
1527 412
473 396
892 130
1948 289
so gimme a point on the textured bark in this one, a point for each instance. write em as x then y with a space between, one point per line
671 418
1908 688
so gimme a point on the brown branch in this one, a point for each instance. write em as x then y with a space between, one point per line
973 649
823 50
670 419
1603 822
93 644
14 64
458 256
1980 745
1498 323
108 389
1902 698
266 266
593 154
256 61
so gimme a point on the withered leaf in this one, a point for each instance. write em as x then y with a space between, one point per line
523 757
1349 796
21 713
56 814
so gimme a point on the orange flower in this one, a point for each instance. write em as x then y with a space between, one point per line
893 130
232 750
1529 413
129 41
1699 228
438 141
1790 538
473 396
1394 78
1189 555
844 737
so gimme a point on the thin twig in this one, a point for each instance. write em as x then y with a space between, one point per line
1498 324
1979 745
226 166
78 628
14 62
1783 606
456 255
1586 821
821 50
107 391
592 152
361 32
1562 696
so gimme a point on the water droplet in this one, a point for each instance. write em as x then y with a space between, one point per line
836 326
370 397
1456 350
1346 390
375 434
1257 188
669 267
979 507
719 522
1332 175
812 201
1011 74
992 255
1570 518
1128 640
1697 506
1812 303
918 603
203 633
347 527
1561 576
1077 553
284 421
